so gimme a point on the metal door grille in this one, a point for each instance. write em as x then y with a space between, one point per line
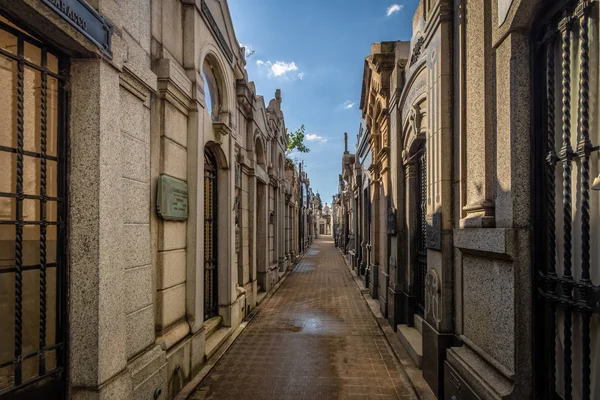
421 269
211 306
32 217
567 300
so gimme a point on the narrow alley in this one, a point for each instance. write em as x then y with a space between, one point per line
314 339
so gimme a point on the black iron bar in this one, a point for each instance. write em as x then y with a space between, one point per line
19 223
584 150
29 64
30 196
56 346
24 222
13 269
567 155
27 153
551 183
37 378
43 107
422 257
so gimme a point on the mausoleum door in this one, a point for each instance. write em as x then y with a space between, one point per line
211 305
32 217
420 266
566 256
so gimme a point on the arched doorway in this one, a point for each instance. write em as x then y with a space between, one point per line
32 217
211 302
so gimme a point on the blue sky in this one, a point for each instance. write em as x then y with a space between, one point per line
314 51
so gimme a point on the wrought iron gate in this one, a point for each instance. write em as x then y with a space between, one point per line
566 259
32 217
421 267
211 305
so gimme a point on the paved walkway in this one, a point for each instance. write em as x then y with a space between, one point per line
314 339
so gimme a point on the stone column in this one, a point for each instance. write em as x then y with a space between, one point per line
97 323
439 280
410 246
480 172
281 227
262 229
252 239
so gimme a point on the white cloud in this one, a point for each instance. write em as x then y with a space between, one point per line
348 105
311 137
394 8
281 69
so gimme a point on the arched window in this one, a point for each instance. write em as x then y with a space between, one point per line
260 153
211 91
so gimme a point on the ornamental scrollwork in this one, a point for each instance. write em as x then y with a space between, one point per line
432 296
417 49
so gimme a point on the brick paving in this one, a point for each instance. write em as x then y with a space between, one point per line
314 339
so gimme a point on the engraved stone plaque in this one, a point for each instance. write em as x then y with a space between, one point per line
172 199
391 221
434 231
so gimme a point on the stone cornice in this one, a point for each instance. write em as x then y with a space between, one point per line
174 85
441 12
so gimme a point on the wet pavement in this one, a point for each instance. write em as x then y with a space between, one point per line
314 339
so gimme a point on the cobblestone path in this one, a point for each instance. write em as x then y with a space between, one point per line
314 339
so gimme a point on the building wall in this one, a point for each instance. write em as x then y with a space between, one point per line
136 281
462 91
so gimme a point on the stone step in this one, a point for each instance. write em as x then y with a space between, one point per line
260 297
412 340
419 323
211 325
214 342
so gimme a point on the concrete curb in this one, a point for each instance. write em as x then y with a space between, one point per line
191 386
410 370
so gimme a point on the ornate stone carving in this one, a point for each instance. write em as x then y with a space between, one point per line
236 209
434 231
414 118
417 49
432 296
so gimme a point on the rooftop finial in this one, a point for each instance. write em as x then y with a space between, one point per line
345 142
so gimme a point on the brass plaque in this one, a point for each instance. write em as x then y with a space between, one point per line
172 199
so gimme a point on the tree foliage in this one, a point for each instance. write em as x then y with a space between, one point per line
296 141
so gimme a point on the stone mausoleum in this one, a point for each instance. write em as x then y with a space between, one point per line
146 206
470 208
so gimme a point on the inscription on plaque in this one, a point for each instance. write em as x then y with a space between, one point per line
86 20
172 199
434 231
391 221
